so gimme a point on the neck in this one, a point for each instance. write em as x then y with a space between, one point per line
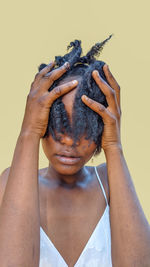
69 181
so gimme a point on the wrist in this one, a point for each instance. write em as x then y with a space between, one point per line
28 135
113 148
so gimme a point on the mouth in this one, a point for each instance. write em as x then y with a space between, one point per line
68 158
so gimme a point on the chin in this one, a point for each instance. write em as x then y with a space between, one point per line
67 169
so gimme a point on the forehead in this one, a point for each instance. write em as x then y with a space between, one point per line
68 99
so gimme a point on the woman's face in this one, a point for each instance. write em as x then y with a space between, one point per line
63 155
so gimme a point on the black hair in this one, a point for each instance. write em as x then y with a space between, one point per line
84 120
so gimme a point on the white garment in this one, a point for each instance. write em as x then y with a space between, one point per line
96 253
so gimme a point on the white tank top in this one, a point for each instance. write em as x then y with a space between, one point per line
96 253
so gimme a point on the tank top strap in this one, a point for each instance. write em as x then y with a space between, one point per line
98 177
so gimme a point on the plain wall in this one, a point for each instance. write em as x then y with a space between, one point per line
33 32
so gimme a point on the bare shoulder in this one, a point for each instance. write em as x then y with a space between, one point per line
4 178
3 182
102 171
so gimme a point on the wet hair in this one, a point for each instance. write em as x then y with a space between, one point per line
84 120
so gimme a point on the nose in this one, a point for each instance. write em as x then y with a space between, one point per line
67 140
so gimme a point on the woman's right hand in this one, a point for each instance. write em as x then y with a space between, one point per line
39 99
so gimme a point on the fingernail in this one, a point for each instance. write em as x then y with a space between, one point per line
96 72
67 65
107 67
74 81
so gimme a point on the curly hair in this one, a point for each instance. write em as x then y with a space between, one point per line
84 120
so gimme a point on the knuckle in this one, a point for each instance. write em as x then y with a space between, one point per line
41 102
90 101
57 91
31 96
101 108
51 76
111 92
47 76
112 120
37 75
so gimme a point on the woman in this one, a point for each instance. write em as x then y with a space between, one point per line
69 214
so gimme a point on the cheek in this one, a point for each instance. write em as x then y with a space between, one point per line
47 147
88 149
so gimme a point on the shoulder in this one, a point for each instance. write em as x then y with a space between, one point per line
3 182
102 171
4 178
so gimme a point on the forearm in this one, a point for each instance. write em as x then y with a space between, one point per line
19 212
130 230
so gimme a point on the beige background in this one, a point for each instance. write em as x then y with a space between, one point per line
33 32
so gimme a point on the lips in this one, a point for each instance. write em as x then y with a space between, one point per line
68 154
68 158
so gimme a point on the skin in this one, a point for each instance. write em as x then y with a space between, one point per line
60 184
84 148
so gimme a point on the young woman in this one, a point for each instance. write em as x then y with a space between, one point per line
69 214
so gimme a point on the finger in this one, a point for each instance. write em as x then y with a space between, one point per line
45 70
98 108
57 73
108 92
112 82
61 90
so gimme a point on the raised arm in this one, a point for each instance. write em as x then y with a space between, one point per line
19 211
130 230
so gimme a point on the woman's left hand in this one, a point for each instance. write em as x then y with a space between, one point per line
110 115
